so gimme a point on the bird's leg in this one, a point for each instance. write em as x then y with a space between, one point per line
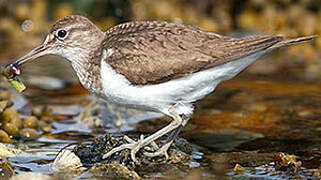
169 141
136 146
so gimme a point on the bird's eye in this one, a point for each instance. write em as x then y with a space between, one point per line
61 33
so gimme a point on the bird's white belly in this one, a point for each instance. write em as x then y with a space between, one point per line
159 97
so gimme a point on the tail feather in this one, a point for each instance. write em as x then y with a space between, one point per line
287 42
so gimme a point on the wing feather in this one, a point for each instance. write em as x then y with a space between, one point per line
155 52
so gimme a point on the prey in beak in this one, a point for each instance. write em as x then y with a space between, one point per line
12 70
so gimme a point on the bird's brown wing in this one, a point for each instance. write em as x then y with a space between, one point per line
155 52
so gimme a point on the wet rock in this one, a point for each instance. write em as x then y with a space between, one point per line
45 127
30 122
114 170
178 157
93 152
47 115
317 173
8 151
4 137
11 129
43 113
12 125
285 162
11 115
238 168
90 154
31 176
28 133
17 122
6 170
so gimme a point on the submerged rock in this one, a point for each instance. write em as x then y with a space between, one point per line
238 168
7 151
30 122
31 176
29 134
4 137
120 164
286 162
6 170
113 170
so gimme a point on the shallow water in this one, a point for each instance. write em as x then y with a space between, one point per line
244 122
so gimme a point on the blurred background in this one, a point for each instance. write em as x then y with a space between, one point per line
24 23
274 106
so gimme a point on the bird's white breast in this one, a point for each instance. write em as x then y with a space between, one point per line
181 91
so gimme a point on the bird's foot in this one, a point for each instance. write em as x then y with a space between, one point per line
134 147
153 146
160 152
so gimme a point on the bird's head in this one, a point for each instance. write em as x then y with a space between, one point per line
71 37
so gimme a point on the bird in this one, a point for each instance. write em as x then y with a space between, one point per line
151 65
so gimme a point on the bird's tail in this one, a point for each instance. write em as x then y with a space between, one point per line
287 42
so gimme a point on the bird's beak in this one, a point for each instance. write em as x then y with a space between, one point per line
39 51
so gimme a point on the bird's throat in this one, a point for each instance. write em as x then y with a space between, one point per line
89 75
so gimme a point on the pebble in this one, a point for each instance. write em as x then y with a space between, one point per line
114 170
4 137
7 150
45 127
30 122
10 115
29 133
238 168
11 129
6 170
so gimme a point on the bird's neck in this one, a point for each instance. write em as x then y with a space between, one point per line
87 68
85 60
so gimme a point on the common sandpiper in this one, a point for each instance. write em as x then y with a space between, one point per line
150 65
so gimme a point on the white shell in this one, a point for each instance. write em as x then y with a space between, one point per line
67 161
